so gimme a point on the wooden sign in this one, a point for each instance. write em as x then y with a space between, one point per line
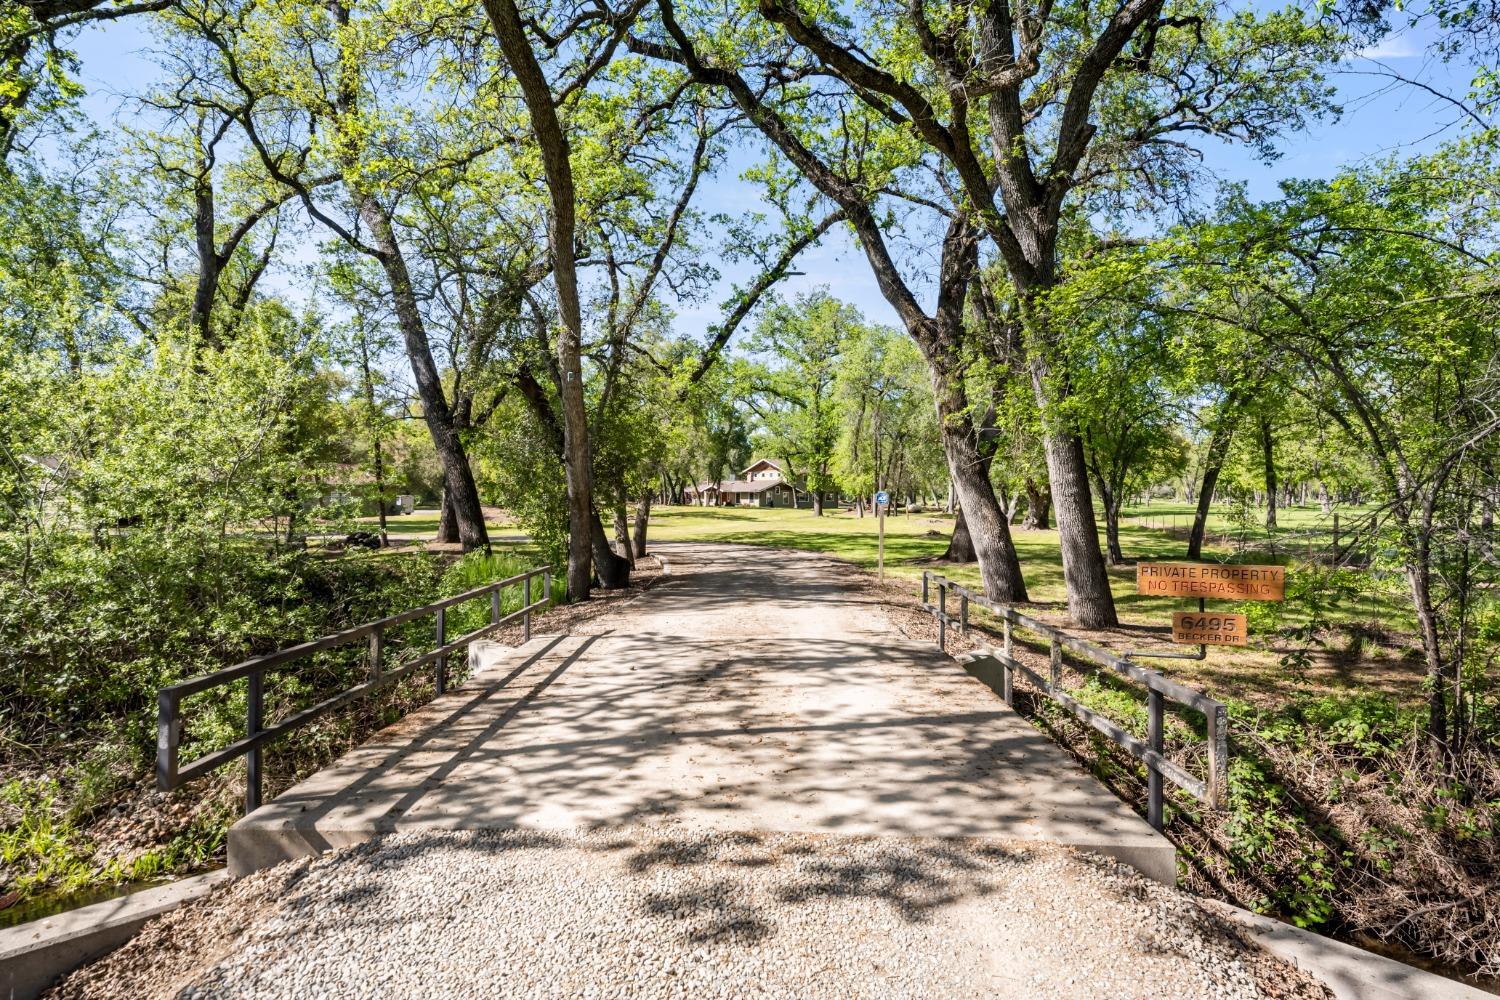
1210 628
1211 581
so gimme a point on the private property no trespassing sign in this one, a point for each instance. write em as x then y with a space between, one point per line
1211 580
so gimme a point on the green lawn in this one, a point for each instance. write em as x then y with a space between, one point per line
915 542
1295 526
425 522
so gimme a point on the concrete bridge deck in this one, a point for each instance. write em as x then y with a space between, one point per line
755 691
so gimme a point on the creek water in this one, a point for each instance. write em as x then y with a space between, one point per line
52 903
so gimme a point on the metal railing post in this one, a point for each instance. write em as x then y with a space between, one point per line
526 615
253 721
1154 742
377 653
168 736
1056 664
495 606
440 682
943 615
1218 757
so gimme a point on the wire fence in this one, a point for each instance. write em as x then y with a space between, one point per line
1335 539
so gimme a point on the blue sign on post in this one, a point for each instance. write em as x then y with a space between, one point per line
882 498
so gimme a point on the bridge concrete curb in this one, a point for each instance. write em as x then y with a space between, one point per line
1351 973
35 955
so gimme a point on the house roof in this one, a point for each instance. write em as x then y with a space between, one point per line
701 487
763 461
750 485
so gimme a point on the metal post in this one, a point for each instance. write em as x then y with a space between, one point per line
1154 702
526 615
1056 664
547 586
963 613
1007 690
253 705
880 515
943 615
168 736
441 682
495 606
377 653
1218 757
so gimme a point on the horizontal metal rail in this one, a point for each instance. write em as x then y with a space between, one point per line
172 773
1213 791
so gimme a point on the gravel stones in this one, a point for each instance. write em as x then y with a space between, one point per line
669 913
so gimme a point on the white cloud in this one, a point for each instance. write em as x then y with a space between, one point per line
1391 47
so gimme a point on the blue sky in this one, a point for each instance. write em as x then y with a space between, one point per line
1379 120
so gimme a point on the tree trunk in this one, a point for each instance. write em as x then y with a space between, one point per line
1218 448
1091 604
1038 507
458 478
623 547
613 570
1267 450
817 503
960 546
209 264
447 531
1418 576
552 143
642 519
999 566
1111 504
385 540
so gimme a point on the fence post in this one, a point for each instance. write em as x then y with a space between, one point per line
1154 741
1007 689
495 606
547 586
926 600
168 735
1006 621
441 683
963 613
253 720
377 652
1218 757
526 615
1056 663
943 615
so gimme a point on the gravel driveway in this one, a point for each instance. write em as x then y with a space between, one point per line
746 783
679 914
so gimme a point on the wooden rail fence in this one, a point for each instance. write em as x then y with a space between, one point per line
172 773
1212 790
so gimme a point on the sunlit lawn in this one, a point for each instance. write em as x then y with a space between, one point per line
425 522
1295 526
915 542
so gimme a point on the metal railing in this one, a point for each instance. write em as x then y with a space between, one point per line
172 773
1212 790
